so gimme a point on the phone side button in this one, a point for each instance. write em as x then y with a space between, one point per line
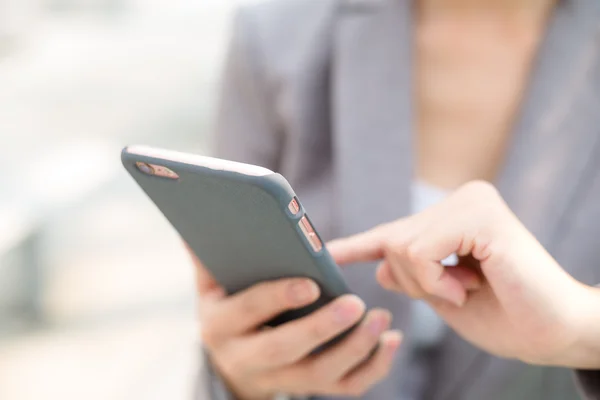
316 243
294 206
310 235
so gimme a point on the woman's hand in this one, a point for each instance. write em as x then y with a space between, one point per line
258 363
507 295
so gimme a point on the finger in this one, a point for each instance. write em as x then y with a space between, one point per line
367 246
434 279
440 241
386 278
468 278
245 311
334 363
430 275
449 288
365 376
396 274
406 282
417 282
293 341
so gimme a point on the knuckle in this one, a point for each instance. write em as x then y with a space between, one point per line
255 301
415 254
486 200
285 291
392 247
251 305
275 293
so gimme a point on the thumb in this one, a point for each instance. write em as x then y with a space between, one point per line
363 247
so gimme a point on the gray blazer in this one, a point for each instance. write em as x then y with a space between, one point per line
320 90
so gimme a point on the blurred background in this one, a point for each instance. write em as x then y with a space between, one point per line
96 293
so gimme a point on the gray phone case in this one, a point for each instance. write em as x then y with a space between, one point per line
240 227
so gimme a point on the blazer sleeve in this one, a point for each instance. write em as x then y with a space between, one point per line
245 131
246 126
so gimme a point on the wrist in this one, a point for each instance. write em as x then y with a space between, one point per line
591 334
584 353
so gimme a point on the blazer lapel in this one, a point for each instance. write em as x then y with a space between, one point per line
372 115
558 133
553 148
372 119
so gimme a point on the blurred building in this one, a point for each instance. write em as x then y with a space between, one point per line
96 294
17 19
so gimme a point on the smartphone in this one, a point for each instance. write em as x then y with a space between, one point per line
244 222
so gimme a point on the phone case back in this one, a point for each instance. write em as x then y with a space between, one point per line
240 227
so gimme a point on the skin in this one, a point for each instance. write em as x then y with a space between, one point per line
259 363
473 60
508 296
464 114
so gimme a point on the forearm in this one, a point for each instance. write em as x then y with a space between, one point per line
589 380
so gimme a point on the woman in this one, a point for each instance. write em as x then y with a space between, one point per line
375 109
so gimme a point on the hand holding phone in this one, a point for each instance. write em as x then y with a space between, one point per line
258 363
276 313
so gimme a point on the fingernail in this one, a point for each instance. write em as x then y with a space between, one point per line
348 310
378 323
392 340
304 291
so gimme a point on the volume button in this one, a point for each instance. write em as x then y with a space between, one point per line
294 206
310 234
316 242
